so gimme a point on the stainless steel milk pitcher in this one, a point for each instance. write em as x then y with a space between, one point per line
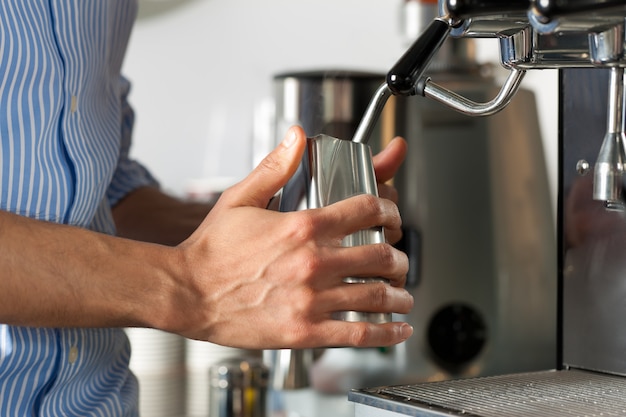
332 170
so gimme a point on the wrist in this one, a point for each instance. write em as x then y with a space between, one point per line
175 296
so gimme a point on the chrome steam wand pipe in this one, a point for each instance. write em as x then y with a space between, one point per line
407 78
375 107
609 167
427 88
469 107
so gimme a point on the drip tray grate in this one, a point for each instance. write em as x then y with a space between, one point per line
550 393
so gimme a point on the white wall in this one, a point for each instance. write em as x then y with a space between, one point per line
200 69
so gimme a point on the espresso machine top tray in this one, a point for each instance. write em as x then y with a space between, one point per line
545 393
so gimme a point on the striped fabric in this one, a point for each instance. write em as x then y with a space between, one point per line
65 131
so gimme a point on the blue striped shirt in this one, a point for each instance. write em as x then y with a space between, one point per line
65 128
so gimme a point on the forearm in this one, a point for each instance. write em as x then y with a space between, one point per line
149 215
62 276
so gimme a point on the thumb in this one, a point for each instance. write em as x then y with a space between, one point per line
272 173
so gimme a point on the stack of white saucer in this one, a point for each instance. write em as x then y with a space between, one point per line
158 361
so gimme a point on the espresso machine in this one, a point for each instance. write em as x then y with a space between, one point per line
478 221
585 41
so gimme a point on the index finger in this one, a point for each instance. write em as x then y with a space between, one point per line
360 212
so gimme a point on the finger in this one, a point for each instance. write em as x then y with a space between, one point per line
334 333
374 297
357 213
380 260
271 174
387 161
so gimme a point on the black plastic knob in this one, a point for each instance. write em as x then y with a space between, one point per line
456 336
403 76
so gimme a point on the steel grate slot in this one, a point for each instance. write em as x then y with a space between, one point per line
552 393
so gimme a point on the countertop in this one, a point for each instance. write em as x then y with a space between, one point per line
309 403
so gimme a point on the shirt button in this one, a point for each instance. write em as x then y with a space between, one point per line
73 354
73 104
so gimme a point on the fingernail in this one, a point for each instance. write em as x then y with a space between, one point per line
290 138
406 331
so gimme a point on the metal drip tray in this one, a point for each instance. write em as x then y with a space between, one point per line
549 393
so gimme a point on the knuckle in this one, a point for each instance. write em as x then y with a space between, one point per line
361 334
309 263
297 328
379 295
373 203
385 211
270 163
312 265
306 303
387 255
304 226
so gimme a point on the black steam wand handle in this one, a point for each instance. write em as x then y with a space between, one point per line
405 74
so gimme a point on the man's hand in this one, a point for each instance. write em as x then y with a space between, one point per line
257 278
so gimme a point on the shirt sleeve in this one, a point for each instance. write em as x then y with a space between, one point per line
129 174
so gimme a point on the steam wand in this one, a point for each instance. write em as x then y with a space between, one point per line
406 78
609 167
